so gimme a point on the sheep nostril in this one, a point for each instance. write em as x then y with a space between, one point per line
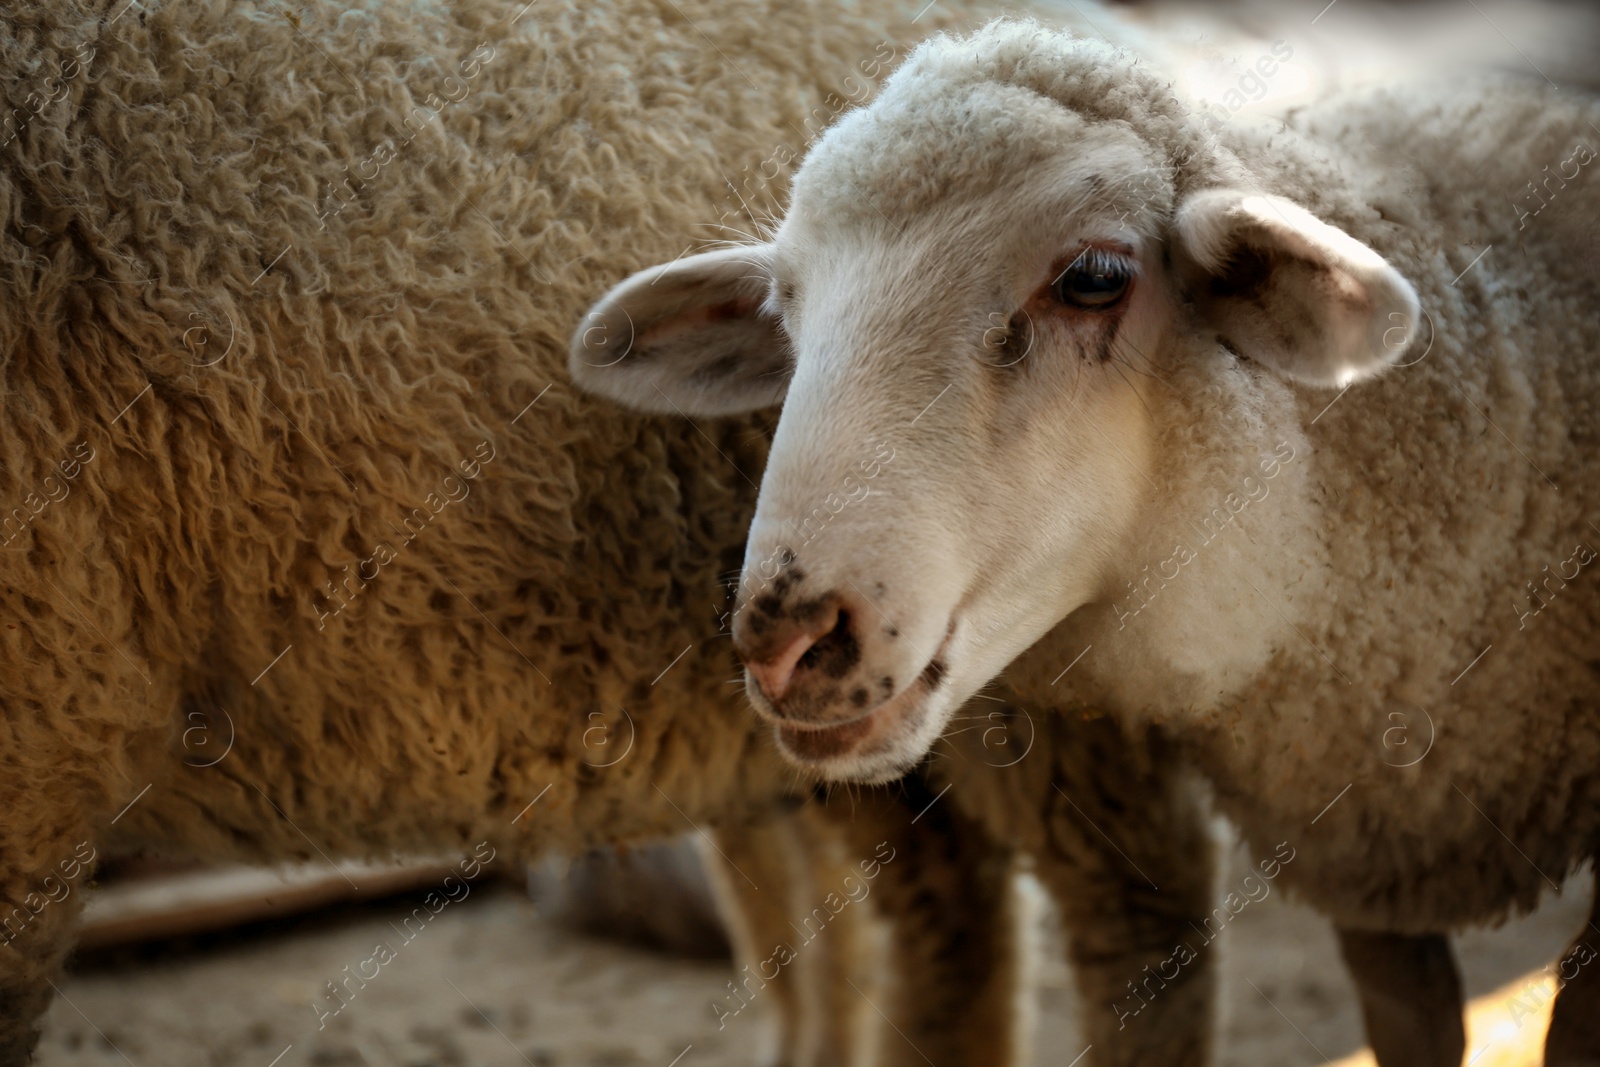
816 646
828 641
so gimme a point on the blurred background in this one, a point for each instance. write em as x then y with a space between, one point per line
615 960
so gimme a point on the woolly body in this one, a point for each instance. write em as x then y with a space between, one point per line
335 502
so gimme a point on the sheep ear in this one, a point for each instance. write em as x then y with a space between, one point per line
689 337
1291 292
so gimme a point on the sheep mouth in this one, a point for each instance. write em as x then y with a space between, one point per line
818 746
869 737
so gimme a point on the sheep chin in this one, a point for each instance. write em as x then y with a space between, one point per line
878 747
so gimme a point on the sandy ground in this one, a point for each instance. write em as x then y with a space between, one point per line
492 981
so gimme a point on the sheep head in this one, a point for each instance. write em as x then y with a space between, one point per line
995 290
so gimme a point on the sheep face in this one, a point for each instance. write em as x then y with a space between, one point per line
974 351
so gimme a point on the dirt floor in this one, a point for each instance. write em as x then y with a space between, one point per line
492 981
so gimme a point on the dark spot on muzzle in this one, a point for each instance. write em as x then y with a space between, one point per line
933 673
787 579
810 609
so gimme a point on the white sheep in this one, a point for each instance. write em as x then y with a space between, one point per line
1283 436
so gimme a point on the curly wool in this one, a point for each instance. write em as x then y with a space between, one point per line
299 287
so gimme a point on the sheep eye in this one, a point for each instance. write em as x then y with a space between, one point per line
1095 280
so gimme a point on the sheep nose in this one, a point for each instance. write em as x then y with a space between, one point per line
789 649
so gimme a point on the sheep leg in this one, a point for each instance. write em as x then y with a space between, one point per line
42 874
762 871
947 892
944 889
1574 1037
1129 862
30 959
1410 995
836 950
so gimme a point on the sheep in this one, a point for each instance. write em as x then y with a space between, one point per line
311 548
1097 329
290 464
